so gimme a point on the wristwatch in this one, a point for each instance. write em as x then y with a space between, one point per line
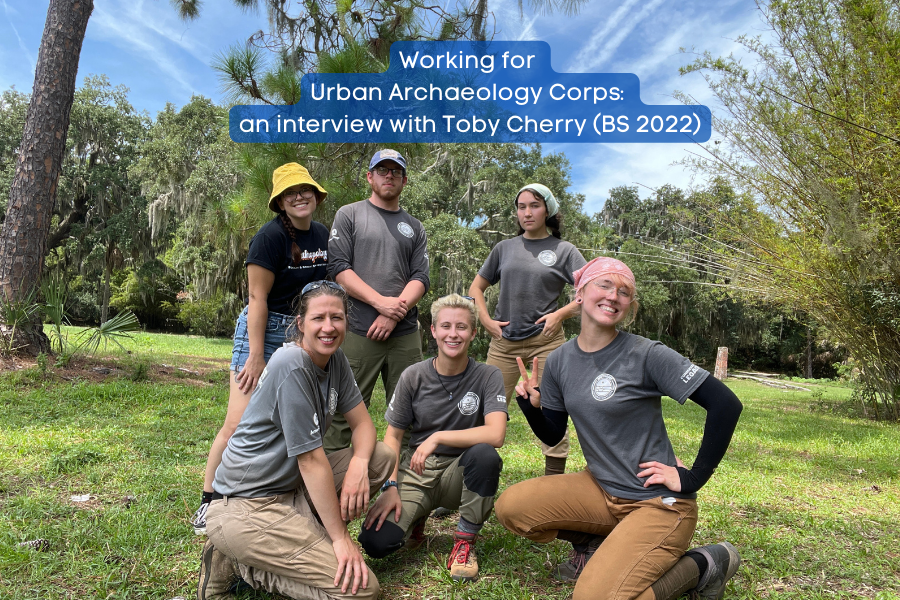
387 484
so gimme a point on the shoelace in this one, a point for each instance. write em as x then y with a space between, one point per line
579 560
200 515
460 553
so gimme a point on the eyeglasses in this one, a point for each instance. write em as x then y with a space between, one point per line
314 285
383 171
306 192
607 287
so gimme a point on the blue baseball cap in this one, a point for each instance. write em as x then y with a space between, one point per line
387 154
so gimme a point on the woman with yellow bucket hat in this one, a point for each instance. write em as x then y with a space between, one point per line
286 253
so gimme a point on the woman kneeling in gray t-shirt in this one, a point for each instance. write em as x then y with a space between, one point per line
278 518
456 410
631 515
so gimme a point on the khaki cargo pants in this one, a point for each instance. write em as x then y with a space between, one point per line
502 354
279 542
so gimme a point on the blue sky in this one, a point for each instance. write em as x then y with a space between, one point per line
145 46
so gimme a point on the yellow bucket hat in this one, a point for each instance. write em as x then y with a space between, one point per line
289 175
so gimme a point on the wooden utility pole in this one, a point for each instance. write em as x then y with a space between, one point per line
721 371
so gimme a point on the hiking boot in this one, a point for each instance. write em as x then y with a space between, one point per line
417 535
441 513
578 559
218 574
723 562
199 519
463 563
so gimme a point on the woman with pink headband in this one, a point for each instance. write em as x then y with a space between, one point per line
631 514
534 267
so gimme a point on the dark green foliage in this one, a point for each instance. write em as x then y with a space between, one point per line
209 317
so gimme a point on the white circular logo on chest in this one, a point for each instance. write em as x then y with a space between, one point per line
404 228
547 257
332 401
469 404
604 387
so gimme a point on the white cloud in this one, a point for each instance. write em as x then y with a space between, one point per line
601 47
511 25
655 58
9 17
137 40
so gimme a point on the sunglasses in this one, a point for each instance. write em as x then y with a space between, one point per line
314 285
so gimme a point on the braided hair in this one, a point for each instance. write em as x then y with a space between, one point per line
296 255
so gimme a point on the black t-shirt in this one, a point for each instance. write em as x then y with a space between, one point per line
270 248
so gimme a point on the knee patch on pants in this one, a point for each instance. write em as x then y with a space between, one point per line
383 542
481 469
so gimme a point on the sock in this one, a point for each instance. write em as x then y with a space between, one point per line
206 498
677 580
702 563
554 465
468 527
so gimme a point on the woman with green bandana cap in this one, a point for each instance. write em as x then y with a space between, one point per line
533 268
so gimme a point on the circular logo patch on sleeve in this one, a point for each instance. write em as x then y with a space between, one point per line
404 228
604 387
469 404
547 257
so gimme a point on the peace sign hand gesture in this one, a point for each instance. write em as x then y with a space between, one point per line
527 385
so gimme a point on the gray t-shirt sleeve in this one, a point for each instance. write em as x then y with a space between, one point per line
418 263
575 262
673 374
349 395
551 394
399 412
494 393
490 270
340 243
296 414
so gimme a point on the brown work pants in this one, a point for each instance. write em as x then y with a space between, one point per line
644 538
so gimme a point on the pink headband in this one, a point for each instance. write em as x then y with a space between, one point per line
597 268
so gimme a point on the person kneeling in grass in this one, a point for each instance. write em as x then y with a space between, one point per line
456 408
278 518
631 514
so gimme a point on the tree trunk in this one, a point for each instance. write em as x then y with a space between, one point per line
23 241
809 353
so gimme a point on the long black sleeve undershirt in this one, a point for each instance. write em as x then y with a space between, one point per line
548 425
723 409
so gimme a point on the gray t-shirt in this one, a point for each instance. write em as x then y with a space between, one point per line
614 399
386 249
288 414
532 275
430 403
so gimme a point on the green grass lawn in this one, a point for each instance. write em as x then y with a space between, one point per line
808 496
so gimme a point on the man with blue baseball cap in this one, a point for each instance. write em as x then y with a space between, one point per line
378 253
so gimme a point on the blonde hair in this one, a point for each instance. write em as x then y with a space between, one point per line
453 301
